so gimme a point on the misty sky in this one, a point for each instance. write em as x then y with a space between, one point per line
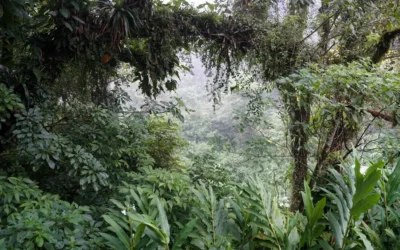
198 1
195 2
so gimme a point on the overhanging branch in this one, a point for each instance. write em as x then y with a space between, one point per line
383 45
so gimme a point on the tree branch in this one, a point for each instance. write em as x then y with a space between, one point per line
383 45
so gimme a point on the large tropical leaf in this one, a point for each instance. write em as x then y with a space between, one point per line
352 194
122 236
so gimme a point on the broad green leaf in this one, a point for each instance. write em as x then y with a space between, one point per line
68 25
293 221
372 236
293 239
51 164
163 220
264 238
336 228
138 234
76 6
262 217
252 202
307 200
152 246
156 235
139 202
113 242
358 175
177 3
118 204
151 230
366 242
237 211
213 200
78 19
123 237
278 232
365 184
317 231
342 209
221 224
324 244
202 216
65 12
269 245
211 6
346 190
48 246
374 167
39 241
393 185
389 232
37 73
318 211
145 240
183 234
365 204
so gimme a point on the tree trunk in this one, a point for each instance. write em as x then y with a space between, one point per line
300 169
324 152
300 117
326 28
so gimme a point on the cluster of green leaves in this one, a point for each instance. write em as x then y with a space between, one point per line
91 154
164 208
10 102
206 169
45 38
329 110
172 187
147 225
93 146
163 141
347 91
252 218
42 147
30 219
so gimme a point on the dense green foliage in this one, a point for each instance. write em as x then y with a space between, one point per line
162 207
83 165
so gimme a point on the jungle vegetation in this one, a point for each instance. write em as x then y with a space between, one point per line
297 144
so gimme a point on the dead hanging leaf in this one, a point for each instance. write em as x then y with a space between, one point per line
105 59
